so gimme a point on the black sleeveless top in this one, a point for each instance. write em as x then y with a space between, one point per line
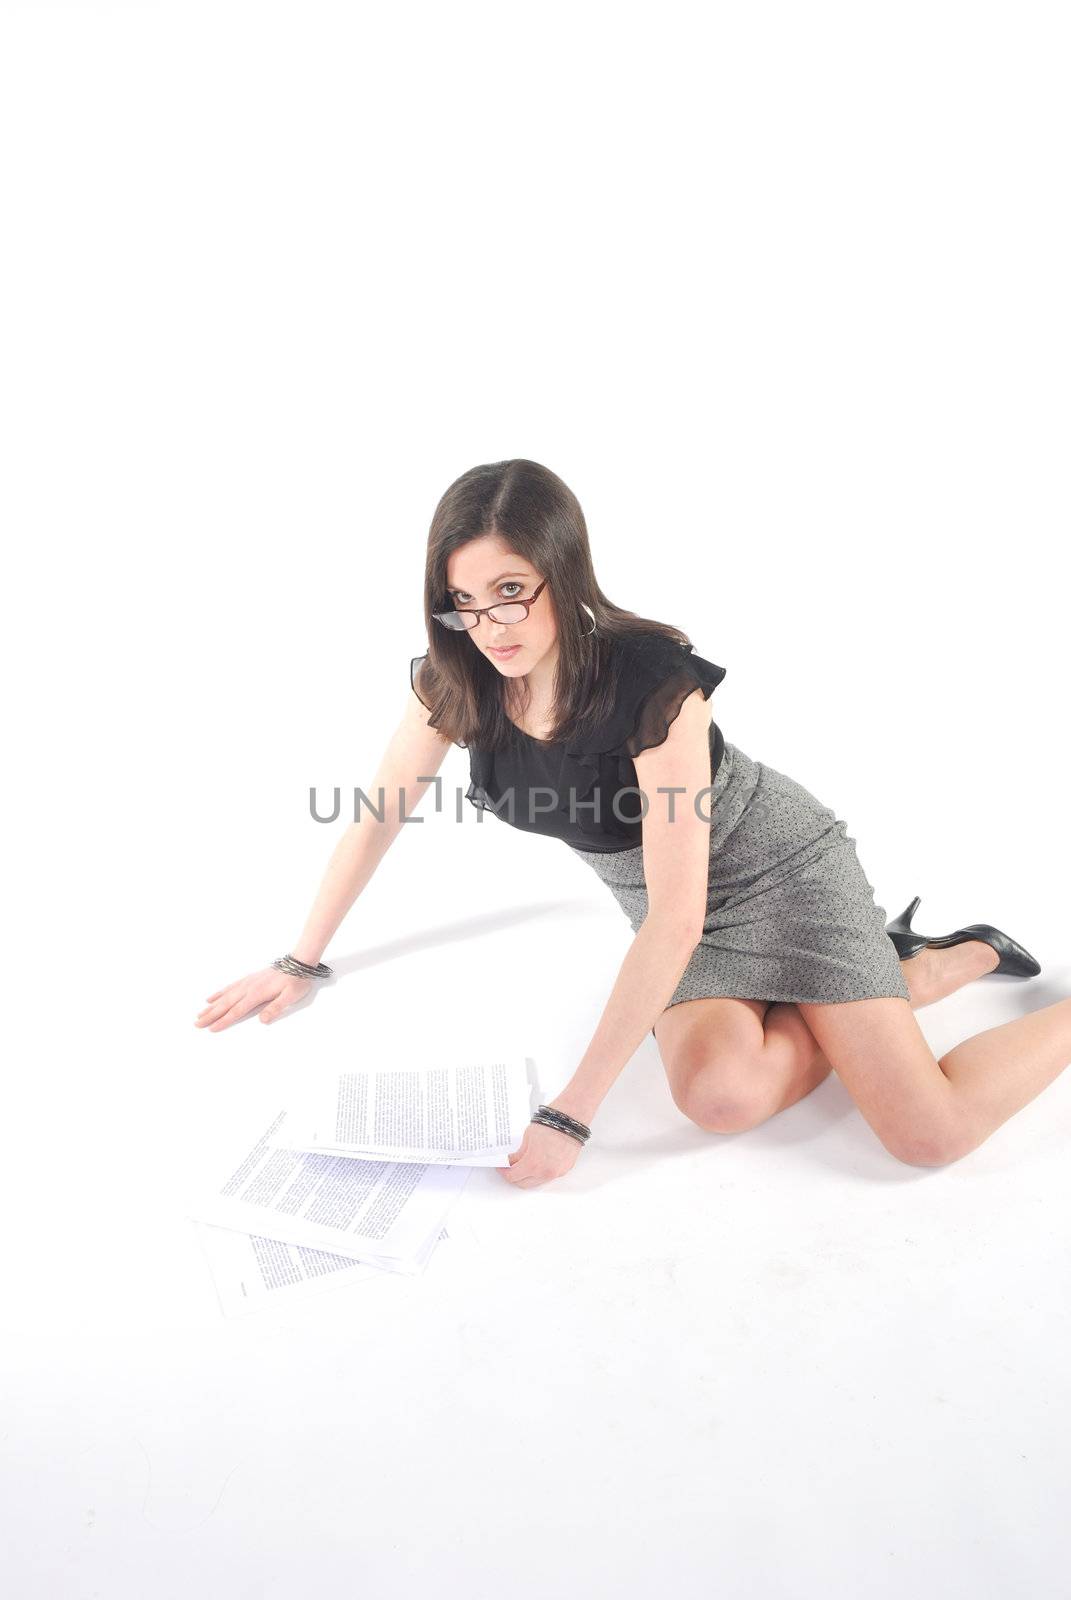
585 791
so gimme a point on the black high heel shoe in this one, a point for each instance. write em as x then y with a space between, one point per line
1013 958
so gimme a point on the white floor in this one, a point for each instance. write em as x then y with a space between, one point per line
778 1363
780 292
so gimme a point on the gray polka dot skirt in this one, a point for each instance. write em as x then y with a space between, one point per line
791 914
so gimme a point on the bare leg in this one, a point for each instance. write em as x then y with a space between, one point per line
996 1073
929 1111
793 1064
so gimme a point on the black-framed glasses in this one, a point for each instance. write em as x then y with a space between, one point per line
502 611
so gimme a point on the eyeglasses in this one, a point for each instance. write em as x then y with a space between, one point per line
504 611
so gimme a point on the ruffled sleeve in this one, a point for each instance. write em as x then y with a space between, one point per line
414 667
660 677
655 676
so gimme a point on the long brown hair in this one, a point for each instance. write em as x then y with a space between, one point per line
540 518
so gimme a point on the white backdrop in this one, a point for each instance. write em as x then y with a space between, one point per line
781 292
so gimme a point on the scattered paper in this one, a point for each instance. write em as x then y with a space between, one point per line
360 1179
472 1114
251 1272
379 1213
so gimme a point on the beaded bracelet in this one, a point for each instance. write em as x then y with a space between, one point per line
551 1117
301 969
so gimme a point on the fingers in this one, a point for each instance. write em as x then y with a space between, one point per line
229 1005
232 1013
206 1018
225 1014
217 1004
521 1180
209 1015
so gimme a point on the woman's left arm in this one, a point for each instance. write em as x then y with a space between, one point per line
676 858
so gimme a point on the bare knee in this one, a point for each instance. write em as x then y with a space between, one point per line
720 1096
931 1147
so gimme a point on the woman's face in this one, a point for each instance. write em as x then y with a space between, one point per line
485 572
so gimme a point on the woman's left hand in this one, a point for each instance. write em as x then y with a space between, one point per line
544 1153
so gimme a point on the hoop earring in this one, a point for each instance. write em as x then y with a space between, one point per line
591 614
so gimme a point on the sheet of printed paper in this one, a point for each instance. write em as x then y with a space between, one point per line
250 1272
467 1114
379 1212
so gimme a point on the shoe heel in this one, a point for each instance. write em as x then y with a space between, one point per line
908 943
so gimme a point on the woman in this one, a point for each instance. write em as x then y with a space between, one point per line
760 959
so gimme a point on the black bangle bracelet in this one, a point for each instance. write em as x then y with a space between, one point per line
538 1116
551 1117
556 1111
301 969
566 1120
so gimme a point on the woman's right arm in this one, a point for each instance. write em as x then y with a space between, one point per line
411 759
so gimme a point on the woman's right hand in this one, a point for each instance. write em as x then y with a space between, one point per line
279 989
